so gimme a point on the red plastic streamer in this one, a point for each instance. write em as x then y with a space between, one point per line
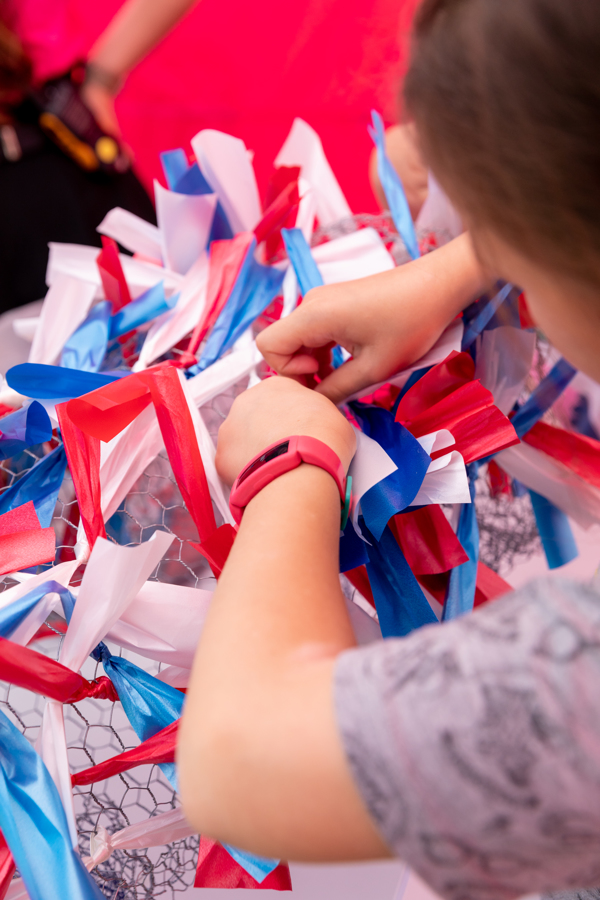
281 213
428 541
226 258
83 456
489 586
217 869
158 749
448 397
23 542
103 413
111 272
7 867
28 669
579 453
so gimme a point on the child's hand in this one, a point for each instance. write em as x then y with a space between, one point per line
275 409
385 322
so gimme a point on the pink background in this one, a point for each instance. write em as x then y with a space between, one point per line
249 69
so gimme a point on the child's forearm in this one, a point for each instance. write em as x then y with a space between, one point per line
258 733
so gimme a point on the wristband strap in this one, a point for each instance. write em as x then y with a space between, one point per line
282 457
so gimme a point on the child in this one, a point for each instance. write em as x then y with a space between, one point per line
470 749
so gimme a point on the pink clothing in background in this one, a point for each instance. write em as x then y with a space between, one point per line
244 68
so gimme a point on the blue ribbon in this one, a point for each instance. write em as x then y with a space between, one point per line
542 398
34 824
484 316
463 579
254 288
302 260
393 189
41 484
353 550
555 532
27 426
50 382
398 490
148 306
401 604
151 705
185 179
174 165
12 615
86 348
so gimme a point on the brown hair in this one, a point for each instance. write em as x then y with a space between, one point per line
506 98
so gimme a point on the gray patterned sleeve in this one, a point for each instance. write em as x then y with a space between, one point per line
476 744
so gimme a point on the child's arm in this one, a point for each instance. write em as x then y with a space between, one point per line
260 761
385 321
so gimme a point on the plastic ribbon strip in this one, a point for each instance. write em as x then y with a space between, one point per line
28 669
27 426
463 578
34 825
483 317
544 395
162 829
40 484
52 382
216 868
112 275
86 348
23 541
393 189
555 531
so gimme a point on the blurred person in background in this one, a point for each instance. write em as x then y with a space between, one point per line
62 162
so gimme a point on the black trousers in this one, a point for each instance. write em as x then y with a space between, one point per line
47 197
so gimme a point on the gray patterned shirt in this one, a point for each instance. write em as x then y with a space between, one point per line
476 744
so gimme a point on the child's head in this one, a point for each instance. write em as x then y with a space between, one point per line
506 99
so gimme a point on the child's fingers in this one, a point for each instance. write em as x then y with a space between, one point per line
351 377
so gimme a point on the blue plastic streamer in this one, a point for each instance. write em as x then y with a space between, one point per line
353 550
27 426
401 604
463 579
33 822
192 182
255 287
50 382
174 165
307 274
555 532
41 484
12 615
86 348
393 189
484 316
148 306
257 866
151 705
302 260
542 398
398 490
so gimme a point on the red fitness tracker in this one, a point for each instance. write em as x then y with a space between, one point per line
280 458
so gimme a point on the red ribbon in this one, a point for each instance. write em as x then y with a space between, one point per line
217 869
83 456
282 189
111 272
359 579
428 541
7 867
577 452
103 413
448 397
158 749
23 541
225 262
489 586
28 669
